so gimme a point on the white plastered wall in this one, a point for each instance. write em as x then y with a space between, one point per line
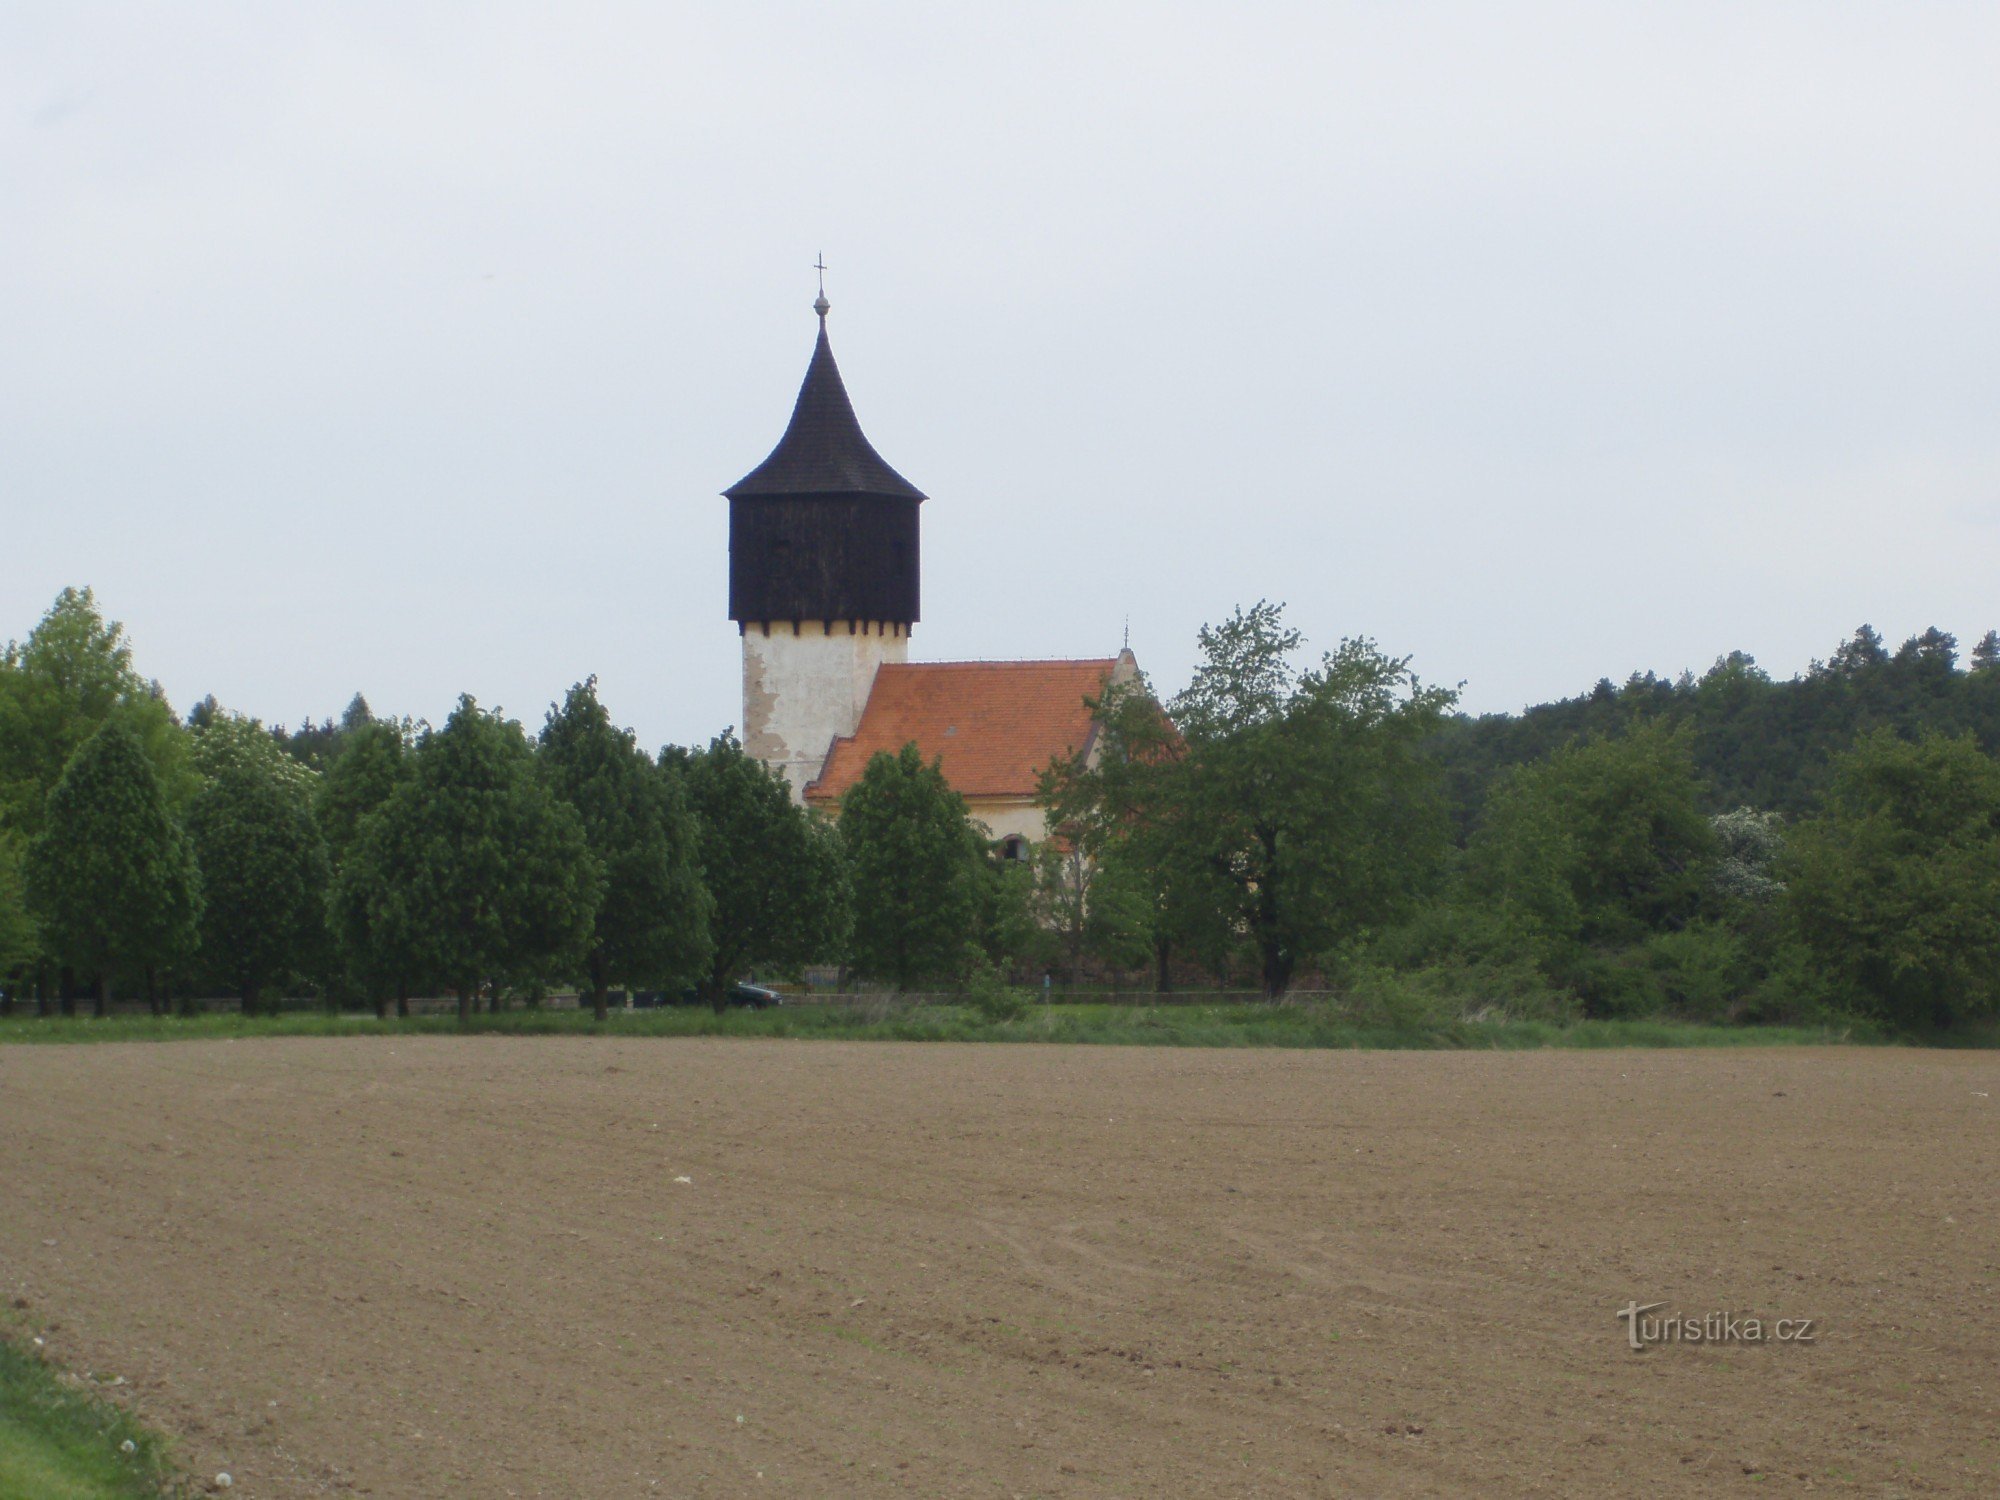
804 685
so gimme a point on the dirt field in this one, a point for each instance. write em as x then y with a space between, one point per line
489 1267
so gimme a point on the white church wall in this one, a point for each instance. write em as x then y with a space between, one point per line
803 686
1010 817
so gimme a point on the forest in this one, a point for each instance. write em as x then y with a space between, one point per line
1727 848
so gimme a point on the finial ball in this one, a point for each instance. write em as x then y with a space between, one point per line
821 305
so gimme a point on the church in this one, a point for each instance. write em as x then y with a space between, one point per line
824 583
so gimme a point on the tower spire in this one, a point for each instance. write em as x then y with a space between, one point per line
820 304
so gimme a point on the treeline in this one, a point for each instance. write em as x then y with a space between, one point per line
1756 741
1731 848
1727 849
370 861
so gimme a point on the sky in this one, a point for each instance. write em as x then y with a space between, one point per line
405 348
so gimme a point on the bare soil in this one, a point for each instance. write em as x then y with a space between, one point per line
588 1267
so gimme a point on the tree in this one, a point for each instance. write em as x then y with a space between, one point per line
264 876
1863 651
72 675
652 925
111 878
1986 654
471 871
1748 845
1297 807
913 861
1893 889
1306 794
1593 849
1125 922
372 761
223 740
776 873
1013 932
17 926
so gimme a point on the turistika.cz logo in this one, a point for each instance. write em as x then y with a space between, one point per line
1642 1331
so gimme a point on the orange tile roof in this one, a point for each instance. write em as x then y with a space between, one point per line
994 724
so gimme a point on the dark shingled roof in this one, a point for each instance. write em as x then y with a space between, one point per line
823 451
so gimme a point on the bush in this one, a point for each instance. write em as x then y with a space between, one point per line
992 998
1449 991
1702 972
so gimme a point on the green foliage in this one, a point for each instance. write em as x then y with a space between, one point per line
914 863
651 928
471 871
1013 934
1124 922
1756 742
1215 1024
1893 888
1701 972
111 877
70 677
776 874
1592 848
17 924
372 761
992 998
1292 807
264 871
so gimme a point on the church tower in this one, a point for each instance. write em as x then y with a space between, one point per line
822 576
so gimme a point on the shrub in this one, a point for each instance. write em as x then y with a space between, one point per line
1702 972
992 998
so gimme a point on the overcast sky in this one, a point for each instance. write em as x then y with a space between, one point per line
404 348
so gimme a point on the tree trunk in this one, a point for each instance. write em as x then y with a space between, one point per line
249 999
100 998
1163 953
381 1006
42 991
600 1005
466 990
152 991
1277 970
402 1000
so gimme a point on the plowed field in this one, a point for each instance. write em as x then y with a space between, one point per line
604 1268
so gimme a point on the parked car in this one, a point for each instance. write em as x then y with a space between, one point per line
753 996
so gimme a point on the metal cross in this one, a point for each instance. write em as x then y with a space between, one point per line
820 266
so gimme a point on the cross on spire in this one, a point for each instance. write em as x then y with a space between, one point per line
820 304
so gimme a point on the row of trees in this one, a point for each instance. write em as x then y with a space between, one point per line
1279 818
143 856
